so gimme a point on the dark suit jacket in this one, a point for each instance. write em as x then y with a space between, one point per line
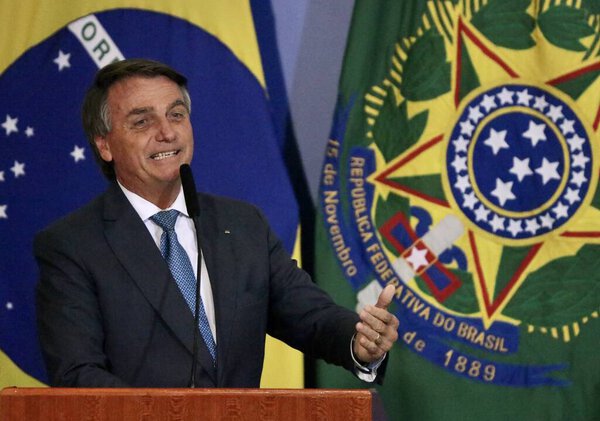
110 314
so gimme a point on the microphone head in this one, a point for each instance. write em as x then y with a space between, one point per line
189 190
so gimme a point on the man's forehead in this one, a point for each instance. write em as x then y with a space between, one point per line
144 92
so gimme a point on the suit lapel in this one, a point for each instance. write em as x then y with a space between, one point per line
134 247
218 250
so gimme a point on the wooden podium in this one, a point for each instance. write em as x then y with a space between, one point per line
32 404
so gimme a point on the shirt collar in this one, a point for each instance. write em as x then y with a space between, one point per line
146 209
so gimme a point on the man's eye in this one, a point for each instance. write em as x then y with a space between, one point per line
140 123
177 115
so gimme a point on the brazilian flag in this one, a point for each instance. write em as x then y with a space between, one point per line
49 53
462 168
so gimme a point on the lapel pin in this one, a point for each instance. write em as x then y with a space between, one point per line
227 232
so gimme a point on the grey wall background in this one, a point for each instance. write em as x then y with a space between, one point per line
312 37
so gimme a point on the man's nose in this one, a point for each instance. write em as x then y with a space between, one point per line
165 131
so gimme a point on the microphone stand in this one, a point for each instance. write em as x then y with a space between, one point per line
197 306
191 202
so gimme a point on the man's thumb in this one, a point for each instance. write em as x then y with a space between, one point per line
385 298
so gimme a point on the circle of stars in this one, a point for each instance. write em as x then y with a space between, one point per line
578 149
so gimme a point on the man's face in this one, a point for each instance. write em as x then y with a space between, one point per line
150 136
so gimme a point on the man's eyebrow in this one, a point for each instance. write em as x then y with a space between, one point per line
177 103
146 110
139 111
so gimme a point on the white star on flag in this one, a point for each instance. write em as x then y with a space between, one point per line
514 227
496 141
540 103
488 103
460 144
9 306
470 200
474 114
482 213
459 164
18 169
531 225
78 154
29 132
1 175
575 143
547 221
62 60
555 112
561 210
466 127
497 223
417 258
462 183
3 214
535 132
548 171
503 191
524 97
567 126
578 178
580 160
505 96
10 125
572 195
520 168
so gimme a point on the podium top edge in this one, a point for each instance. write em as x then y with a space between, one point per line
58 391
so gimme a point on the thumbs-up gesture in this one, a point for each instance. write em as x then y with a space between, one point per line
377 330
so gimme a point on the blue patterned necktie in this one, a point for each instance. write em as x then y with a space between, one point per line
182 271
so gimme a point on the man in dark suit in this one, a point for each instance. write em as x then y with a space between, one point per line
112 310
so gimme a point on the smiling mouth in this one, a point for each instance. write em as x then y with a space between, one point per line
163 155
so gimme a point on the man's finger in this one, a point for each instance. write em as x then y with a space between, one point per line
385 298
375 322
371 347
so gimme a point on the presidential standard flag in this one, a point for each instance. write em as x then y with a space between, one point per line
49 53
462 168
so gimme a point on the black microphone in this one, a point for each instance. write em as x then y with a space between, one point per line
189 190
193 208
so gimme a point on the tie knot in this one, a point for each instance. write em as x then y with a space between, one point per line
166 219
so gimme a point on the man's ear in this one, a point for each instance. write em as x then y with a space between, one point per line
103 148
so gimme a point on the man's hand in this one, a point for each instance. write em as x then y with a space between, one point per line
378 329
